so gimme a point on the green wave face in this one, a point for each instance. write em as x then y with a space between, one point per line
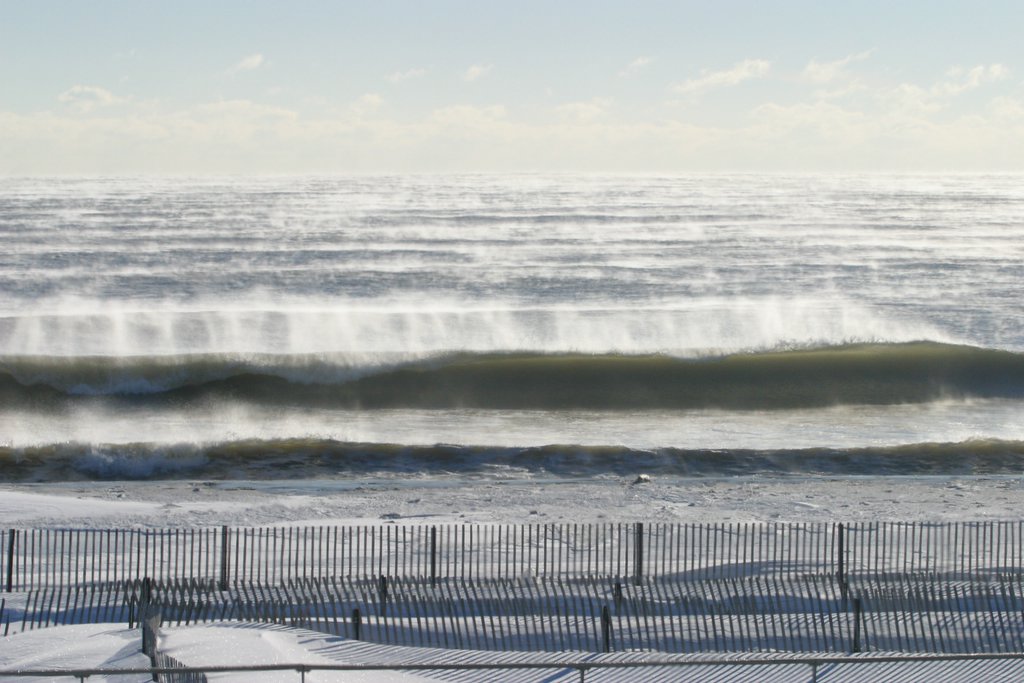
860 374
876 374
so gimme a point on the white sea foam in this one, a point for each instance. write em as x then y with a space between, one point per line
368 272
369 334
839 427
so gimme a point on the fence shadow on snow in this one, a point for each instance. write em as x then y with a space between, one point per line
928 588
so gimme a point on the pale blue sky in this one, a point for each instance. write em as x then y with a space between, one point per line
281 87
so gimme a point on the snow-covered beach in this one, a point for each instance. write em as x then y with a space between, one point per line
738 499
192 504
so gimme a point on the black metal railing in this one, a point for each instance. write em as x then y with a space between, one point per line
581 667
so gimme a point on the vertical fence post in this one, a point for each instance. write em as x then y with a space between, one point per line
152 620
841 551
433 556
225 558
638 554
11 542
606 629
357 622
857 612
841 561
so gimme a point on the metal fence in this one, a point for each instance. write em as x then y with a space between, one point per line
40 558
820 669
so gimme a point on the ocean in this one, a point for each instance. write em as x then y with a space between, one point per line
510 327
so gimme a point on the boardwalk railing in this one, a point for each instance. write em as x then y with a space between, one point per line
633 552
839 668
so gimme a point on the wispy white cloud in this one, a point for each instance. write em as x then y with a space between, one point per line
899 137
246 64
399 76
583 112
636 65
242 136
742 71
827 72
86 98
472 117
367 104
1008 109
911 97
476 72
817 119
962 80
237 111
967 117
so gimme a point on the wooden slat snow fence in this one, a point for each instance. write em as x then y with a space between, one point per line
803 615
43 558
667 587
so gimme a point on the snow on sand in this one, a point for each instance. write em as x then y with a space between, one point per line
206 503
741 499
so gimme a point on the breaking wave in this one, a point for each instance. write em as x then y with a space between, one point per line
312 458
878 374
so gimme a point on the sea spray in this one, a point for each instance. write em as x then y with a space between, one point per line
144 321
419 329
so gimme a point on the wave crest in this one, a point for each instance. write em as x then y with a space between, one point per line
878 374
304 458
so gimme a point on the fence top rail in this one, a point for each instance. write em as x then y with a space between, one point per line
651 525
648 524
579 665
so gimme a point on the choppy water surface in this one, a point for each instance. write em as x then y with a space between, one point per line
723 323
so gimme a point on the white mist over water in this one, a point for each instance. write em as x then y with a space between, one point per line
282 265
337 277
362 333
